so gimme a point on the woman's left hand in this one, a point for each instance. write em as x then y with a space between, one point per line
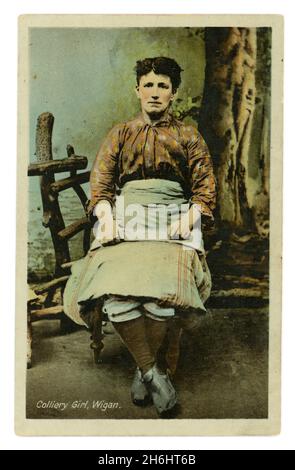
181 229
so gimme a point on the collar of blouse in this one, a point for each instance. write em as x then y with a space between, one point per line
164 121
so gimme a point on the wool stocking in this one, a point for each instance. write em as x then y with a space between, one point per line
133 334
155 332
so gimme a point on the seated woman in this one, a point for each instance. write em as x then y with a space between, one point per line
150 183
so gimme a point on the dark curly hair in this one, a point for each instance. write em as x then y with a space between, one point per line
160 66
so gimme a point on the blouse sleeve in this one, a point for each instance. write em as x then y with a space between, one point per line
104 170
202 179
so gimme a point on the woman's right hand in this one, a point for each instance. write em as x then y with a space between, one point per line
104 228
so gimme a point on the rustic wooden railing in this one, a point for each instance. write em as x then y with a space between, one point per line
50 306
46 168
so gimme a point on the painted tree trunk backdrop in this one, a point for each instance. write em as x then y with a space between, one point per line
259 156
226 116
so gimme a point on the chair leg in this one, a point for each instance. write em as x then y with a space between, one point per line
96 333
93 319
97 336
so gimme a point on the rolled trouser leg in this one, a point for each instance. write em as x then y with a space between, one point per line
121 309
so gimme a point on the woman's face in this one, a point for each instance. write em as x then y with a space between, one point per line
155 93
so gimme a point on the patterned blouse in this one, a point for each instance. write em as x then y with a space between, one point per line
168 149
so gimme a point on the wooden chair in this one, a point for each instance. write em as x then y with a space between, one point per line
45 300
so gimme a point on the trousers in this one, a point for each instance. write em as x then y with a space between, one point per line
121 309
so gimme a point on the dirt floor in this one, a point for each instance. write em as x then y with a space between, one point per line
222 372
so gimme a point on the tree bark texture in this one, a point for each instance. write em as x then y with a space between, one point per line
260 154
227 114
